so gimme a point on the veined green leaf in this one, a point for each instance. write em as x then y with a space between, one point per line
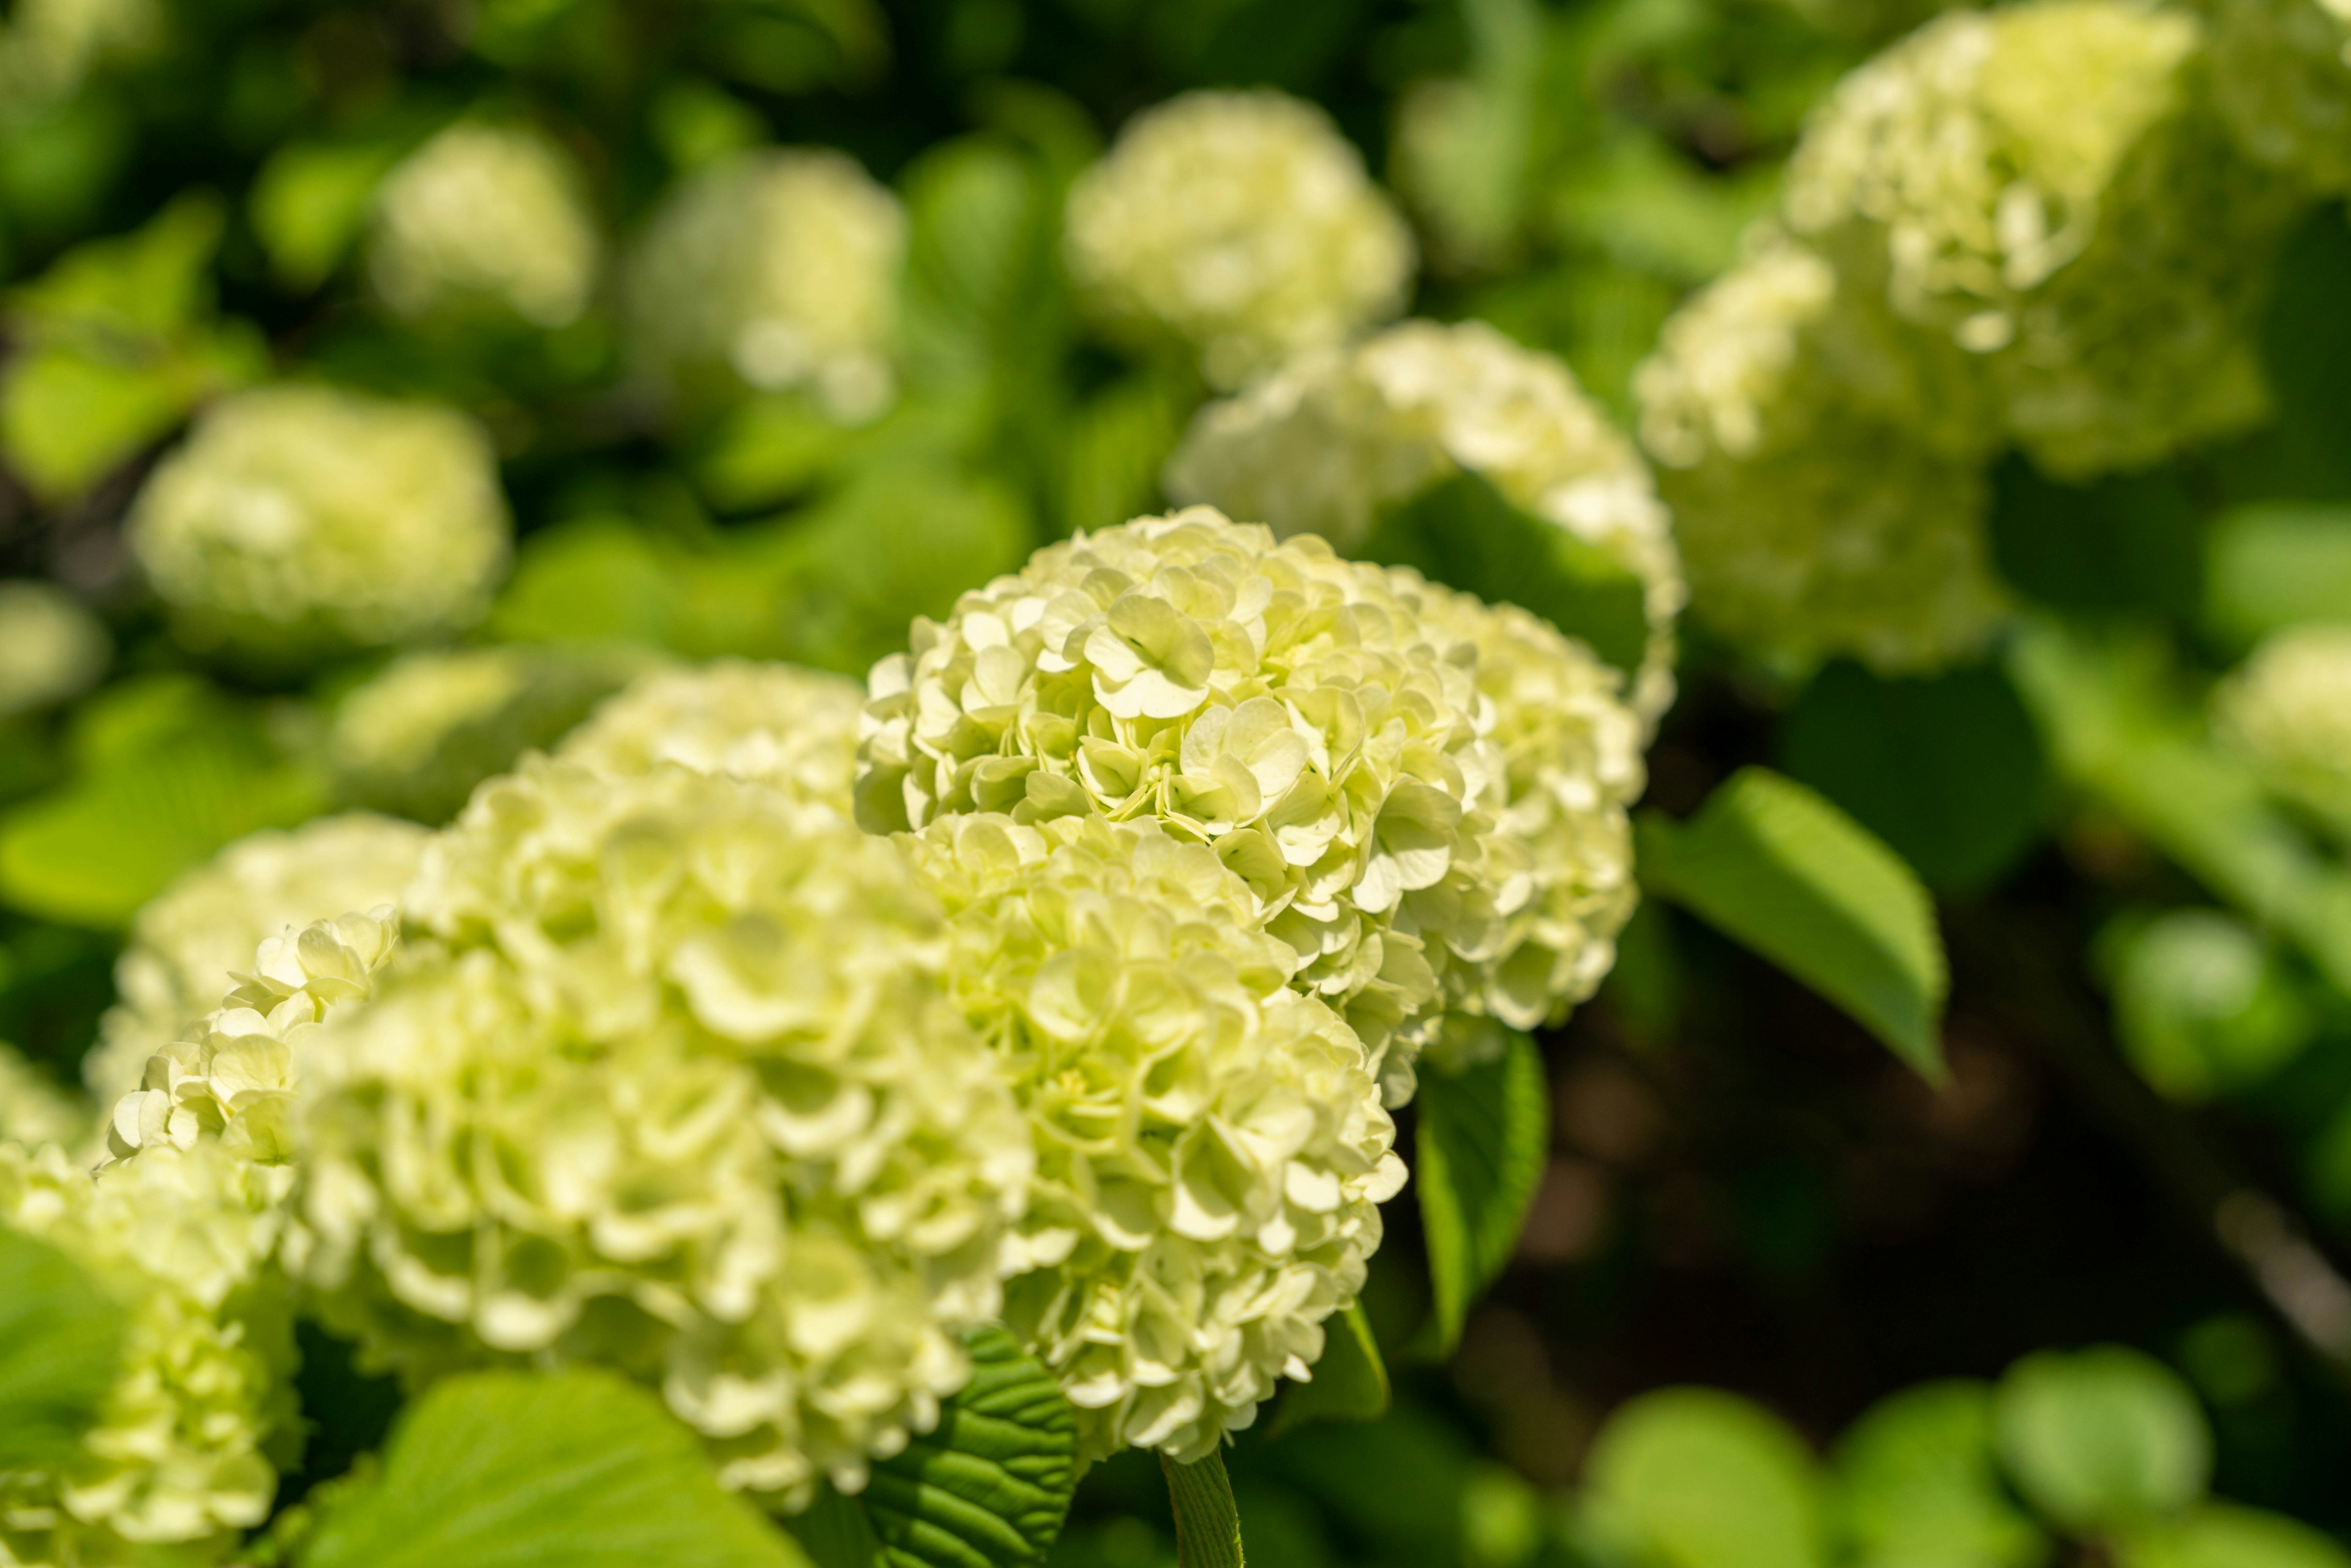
60 1339
1350 1382
1484 1134
1208 1523
1774 866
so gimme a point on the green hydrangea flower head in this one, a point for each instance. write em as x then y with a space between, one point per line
779 724
35 1110
1240 225
665 1078
52 648
417 738
188 944
774 271
1212 1152
1815 517
201 1415
484 220
2281 73
1331 441
1263 696
2288 708
298 516
2042 186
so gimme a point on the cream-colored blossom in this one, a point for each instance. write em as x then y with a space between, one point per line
666 1079
188 942
775 724
1331 441
49 47
51 647
417 738
485 219
1240 225
2288 708
1211 1148
35 1111
296 515
2041 186
776 271
1825 473
201 1414
2281 73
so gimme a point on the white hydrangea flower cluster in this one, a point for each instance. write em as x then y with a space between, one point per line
1336 437
779 271
2042 185
667 1081
51 647
2281 73
2288 708
49 47
1212 1151
1813 515
484 220
188 944
201 1415
777 725
296 515
1240 225
34 1110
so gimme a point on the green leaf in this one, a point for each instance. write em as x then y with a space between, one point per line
1917 1485
310 201
835 1533
1207 1523
2101 1438
2221 1535
591 580
2202 1004
1112 448
1350 1382
1693 1477
569 1469
2274 566
1774 866
1468 535
991 1485
60 1339
1485 1131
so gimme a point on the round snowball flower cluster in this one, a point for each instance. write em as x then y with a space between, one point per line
2281 73
200 1418
776 271
189 942
666 1078
297 515
1240 225
777 725
51 647
2288 708
1333 440
2042 186
484 220
1211 1148
1819 511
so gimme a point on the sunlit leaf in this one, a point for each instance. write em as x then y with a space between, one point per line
1691 1478
310 201
2221 1535
1917 1484
1485 1131
2101 1438
60 1338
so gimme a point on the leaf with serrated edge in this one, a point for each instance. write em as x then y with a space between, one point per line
1484 1135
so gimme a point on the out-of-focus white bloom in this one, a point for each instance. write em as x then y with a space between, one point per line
2280 72
779 271
51 647
191 941
416 739
485 217
1821 508
1240 224
2040 185
1212 1152
773 724
34 1110
296 515
1329 442
48 48
201 1415
666 1079
2289 709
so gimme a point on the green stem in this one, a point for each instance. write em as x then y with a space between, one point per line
1208 1524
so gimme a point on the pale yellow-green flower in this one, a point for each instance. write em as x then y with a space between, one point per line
201 1415
2042 186
1264 697
1334 439
297 515
2281 73
665 1078
34 1110
1826 481
1211 1148
49 47
189 942
775 724
51 647
776 271
1240 225
417 738
484 220
2288 709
